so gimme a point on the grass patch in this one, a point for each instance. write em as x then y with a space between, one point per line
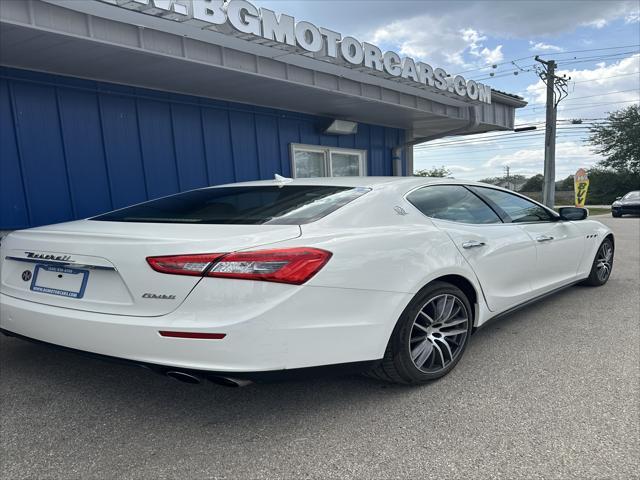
593 210
598 211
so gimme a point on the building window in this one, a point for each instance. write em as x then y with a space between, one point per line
315 161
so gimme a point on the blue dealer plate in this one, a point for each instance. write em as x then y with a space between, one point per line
62 281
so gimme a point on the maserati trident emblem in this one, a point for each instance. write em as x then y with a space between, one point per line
26 275
400 211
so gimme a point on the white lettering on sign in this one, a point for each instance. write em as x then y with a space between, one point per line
244 17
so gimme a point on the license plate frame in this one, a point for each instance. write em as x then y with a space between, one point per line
60 270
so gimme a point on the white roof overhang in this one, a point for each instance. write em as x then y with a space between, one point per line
98 41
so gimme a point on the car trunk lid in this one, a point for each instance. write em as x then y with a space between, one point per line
101 266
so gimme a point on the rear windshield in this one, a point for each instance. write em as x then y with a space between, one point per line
280 205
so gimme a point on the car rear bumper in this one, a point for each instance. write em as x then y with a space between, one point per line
333 326
223 378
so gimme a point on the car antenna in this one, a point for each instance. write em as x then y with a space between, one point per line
282 180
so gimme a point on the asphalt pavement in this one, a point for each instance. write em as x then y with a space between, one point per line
551 391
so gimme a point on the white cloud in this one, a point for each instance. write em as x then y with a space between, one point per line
544 47
465 47
459 168
528 161
592 92
459 34
570 156
472 37
597 23
519 19
492 56
633 17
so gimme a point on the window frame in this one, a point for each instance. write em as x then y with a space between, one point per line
463 185
507 218
327 151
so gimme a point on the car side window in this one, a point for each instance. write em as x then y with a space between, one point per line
452 202
519 209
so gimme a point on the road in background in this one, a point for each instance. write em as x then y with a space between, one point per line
551 391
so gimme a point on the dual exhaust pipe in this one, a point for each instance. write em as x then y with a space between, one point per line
187 377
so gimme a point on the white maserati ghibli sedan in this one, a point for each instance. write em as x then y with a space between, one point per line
277 278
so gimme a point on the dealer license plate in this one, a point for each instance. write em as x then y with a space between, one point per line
63 281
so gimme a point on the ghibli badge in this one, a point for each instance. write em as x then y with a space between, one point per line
158 296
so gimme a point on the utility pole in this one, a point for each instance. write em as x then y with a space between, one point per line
556 91
506 171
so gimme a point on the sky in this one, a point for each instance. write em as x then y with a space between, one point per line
596 43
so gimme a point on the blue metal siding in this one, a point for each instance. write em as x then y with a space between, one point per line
82 139
72 148
13 200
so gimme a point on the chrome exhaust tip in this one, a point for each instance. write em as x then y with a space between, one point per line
183 377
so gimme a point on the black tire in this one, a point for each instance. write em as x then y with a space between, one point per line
398 366
616 214
596 277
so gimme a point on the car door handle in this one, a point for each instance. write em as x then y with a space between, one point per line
544 238
473 244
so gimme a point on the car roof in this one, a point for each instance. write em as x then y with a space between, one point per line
408 182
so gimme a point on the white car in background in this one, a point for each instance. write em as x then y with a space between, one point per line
253 280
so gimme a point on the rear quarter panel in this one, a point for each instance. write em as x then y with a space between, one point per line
383 244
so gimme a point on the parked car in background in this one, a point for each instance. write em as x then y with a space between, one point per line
248 280
628 204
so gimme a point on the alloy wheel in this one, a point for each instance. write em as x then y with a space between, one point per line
438 333
603 261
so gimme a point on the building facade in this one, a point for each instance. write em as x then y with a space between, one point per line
105 103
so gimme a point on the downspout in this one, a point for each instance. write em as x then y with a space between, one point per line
396 161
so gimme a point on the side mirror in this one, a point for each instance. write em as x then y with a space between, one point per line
573 213
618 198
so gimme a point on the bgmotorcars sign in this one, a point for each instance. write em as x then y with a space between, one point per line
244 17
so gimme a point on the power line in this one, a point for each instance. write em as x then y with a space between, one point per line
539 140
591 96
490 65
583 106
592 80
595 59
483 137
565 61
497 151
500 140
583 121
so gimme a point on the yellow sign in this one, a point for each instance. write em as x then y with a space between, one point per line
581 185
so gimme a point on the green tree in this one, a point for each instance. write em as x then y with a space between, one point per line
533 184
618 140
565 185
433 172
514 182
605 185
492 180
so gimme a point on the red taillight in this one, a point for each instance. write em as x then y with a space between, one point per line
288 265
183 264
